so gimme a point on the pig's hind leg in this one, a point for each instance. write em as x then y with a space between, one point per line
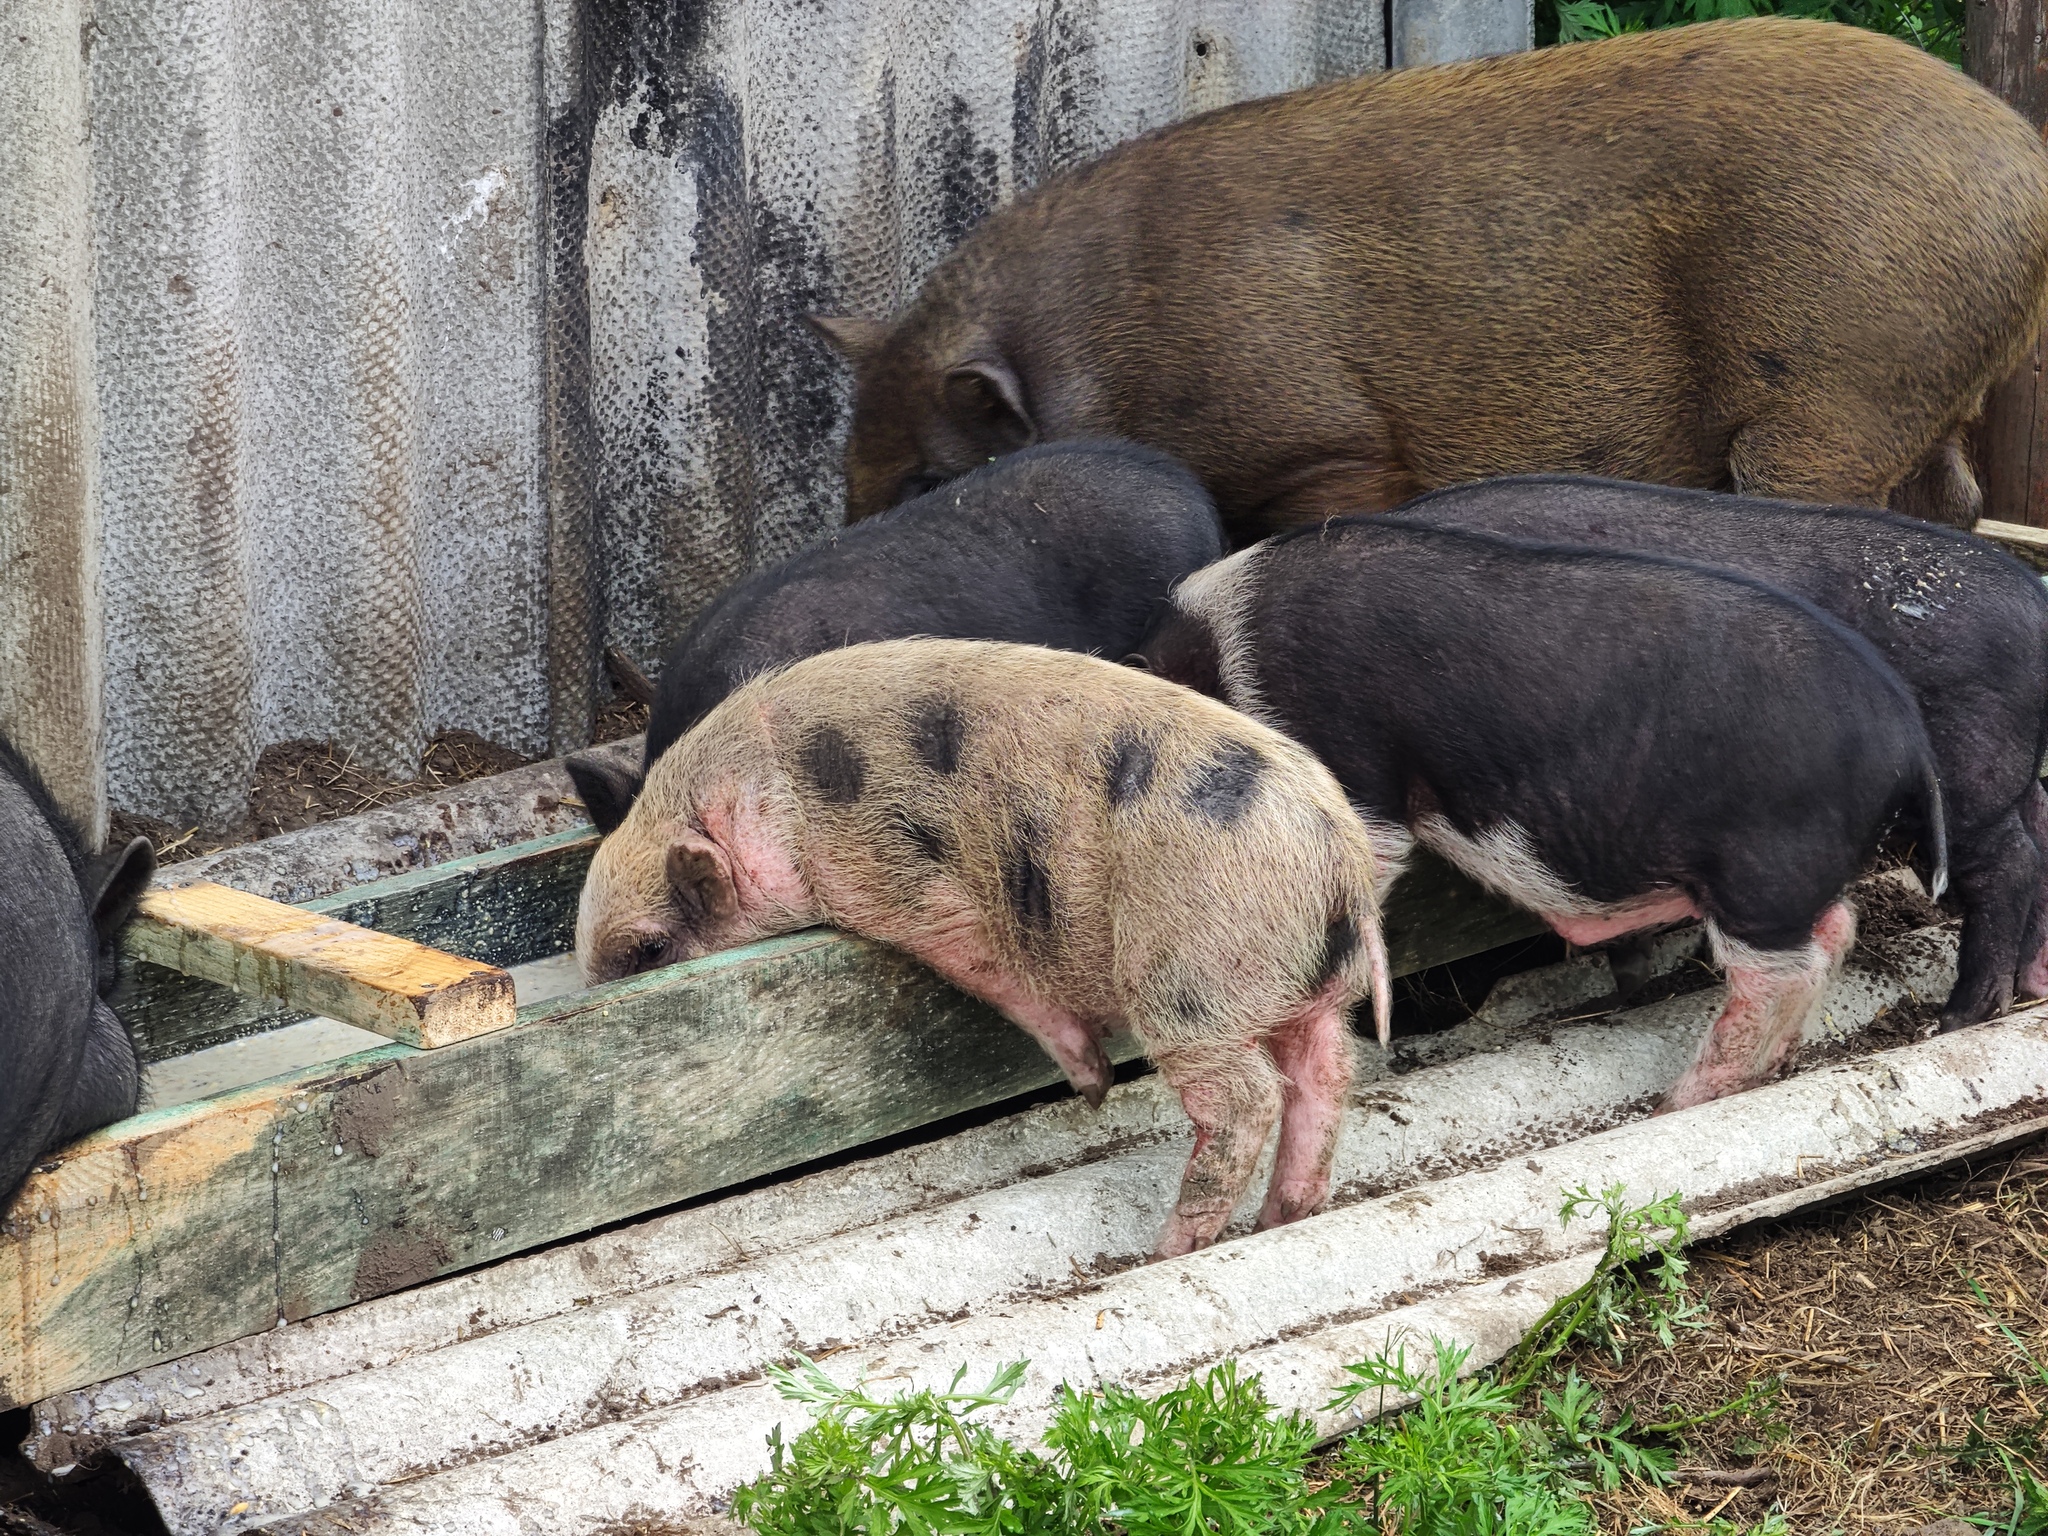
1996 882
1232 1093
1770 994
2033 976
1313 1052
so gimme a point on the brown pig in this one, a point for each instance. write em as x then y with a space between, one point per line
1078 844
1776 256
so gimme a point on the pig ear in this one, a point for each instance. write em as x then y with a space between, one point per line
851 337
987 400
701 877
606 789
117 883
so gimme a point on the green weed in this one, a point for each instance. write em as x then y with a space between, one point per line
1933 25
1510 1453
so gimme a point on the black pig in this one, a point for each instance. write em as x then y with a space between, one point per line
1613 741
1073 546
1963 624
67 1065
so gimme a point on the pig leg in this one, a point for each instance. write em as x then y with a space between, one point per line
1997 873
1232 1094
1801 460
1942 490
2033 977
1313 1052
1770 994
963 955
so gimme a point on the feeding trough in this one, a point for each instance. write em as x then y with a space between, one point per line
481 1129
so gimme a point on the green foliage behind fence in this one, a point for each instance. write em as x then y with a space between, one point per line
1936 25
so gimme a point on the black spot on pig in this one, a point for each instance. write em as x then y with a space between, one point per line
935 732
1340 942
928 840
1131 761
1771 366
834 765
1026 885
1223 783
1190 1007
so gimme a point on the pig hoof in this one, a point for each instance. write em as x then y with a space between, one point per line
1094 1093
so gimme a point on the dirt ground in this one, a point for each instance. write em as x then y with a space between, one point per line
299 783
1893 1368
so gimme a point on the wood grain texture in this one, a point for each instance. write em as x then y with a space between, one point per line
2005 43
503 907
186 1227
2028 544
393 986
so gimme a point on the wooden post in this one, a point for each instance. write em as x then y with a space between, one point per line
2006 45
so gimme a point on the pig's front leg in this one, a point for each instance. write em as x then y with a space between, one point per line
1232 1093
1768 1001
960 952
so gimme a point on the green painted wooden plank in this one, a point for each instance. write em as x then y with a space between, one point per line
183 1228
186 1227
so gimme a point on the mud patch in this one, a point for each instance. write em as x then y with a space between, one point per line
366 1113
393 1260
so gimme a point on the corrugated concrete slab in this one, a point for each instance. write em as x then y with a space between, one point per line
623 1347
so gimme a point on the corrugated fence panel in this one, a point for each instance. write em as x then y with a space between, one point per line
759 158
319 341
429 347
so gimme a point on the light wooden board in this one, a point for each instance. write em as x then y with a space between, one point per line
504 907
2028 544
320 964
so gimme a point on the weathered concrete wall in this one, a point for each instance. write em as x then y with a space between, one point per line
50 652
364 367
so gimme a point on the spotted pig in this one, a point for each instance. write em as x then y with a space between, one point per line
1610 740
1078 844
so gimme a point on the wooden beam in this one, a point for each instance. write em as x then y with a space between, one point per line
375 981
2006 48
519 903
188 1226
503 907
2028 544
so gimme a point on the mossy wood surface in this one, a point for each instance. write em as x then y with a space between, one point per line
185 1227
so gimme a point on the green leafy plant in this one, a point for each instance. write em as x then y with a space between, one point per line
1510 1453
1210 1455
1933 25
912 1464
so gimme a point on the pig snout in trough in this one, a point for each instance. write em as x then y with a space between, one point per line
1963 624
1073 545
69 1064
1612 741
1080 845
1330 300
